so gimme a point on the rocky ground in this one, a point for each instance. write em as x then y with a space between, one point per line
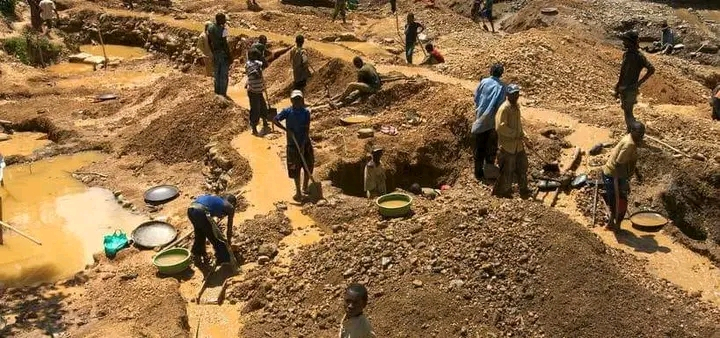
466 264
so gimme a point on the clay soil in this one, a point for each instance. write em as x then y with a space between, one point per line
465 264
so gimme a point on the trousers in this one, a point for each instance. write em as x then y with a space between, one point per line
512 166
485 151
222 71
205 228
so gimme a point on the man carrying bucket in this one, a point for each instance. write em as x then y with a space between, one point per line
200 213
617 171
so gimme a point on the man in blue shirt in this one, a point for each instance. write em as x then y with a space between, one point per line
297 127
200 213
489 95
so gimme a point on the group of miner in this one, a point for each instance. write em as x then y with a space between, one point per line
497 130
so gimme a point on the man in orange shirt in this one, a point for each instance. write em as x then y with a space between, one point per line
434 57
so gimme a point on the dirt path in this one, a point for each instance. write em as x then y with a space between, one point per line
665 258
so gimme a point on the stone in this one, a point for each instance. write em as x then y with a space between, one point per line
366 133
709 48
385 261
456 283
417 283
262 260
4 137
336 228
127 204
129 276
268 249
416 229
699 157
78 58
348 272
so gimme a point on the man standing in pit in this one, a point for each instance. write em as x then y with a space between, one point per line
354 323
299 147
489 95
48 14
628 86
217 37
487 14
412 29
200 213
375 175
513 160
261 47
618 169
301 67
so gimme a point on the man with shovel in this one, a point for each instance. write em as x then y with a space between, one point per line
620 166
200 213
299 147
255 88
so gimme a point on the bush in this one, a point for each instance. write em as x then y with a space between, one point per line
7 8
32 50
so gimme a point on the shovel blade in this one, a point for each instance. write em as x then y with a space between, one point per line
315 191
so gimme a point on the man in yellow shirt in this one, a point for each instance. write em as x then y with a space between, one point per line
375 175
513 160
204 46
620 166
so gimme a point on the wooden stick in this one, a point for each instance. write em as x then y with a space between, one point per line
102 44
169 246
20 232
668 146
89 173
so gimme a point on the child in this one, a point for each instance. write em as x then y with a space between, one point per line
375 175
354 323
433 57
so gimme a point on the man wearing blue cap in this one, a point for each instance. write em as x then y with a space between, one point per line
512 160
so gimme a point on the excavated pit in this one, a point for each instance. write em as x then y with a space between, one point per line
693 204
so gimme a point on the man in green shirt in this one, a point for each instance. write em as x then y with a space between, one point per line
368 82
217 37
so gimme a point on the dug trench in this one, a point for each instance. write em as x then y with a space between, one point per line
465 264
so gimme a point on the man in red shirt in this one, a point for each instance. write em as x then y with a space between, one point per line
433 57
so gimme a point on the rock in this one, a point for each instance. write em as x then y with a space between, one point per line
268 249
366 133
416 229
385 261
117 193
94 60
709 48
456 283
417 283
348 272
78 58
128 276
262 260
185 68
336 227
699 157
4 137
127 204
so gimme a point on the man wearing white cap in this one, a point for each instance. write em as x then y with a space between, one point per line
513 160
299 146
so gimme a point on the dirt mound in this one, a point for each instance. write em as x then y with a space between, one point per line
331 75
182 135
460 265
257 237
432 136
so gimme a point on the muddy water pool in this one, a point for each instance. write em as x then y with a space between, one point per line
43 200
24 143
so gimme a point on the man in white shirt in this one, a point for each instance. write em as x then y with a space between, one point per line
48 13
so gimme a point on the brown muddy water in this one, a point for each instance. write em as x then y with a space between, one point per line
43 200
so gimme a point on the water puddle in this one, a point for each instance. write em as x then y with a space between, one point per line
115 51
24 143
668 259
69 68
43 200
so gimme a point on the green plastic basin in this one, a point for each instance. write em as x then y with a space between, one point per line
394 204
172 261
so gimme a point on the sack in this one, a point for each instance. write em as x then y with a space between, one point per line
114 243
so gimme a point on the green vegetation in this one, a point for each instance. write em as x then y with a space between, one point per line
32 49
7 8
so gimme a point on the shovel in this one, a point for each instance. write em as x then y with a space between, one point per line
315 189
